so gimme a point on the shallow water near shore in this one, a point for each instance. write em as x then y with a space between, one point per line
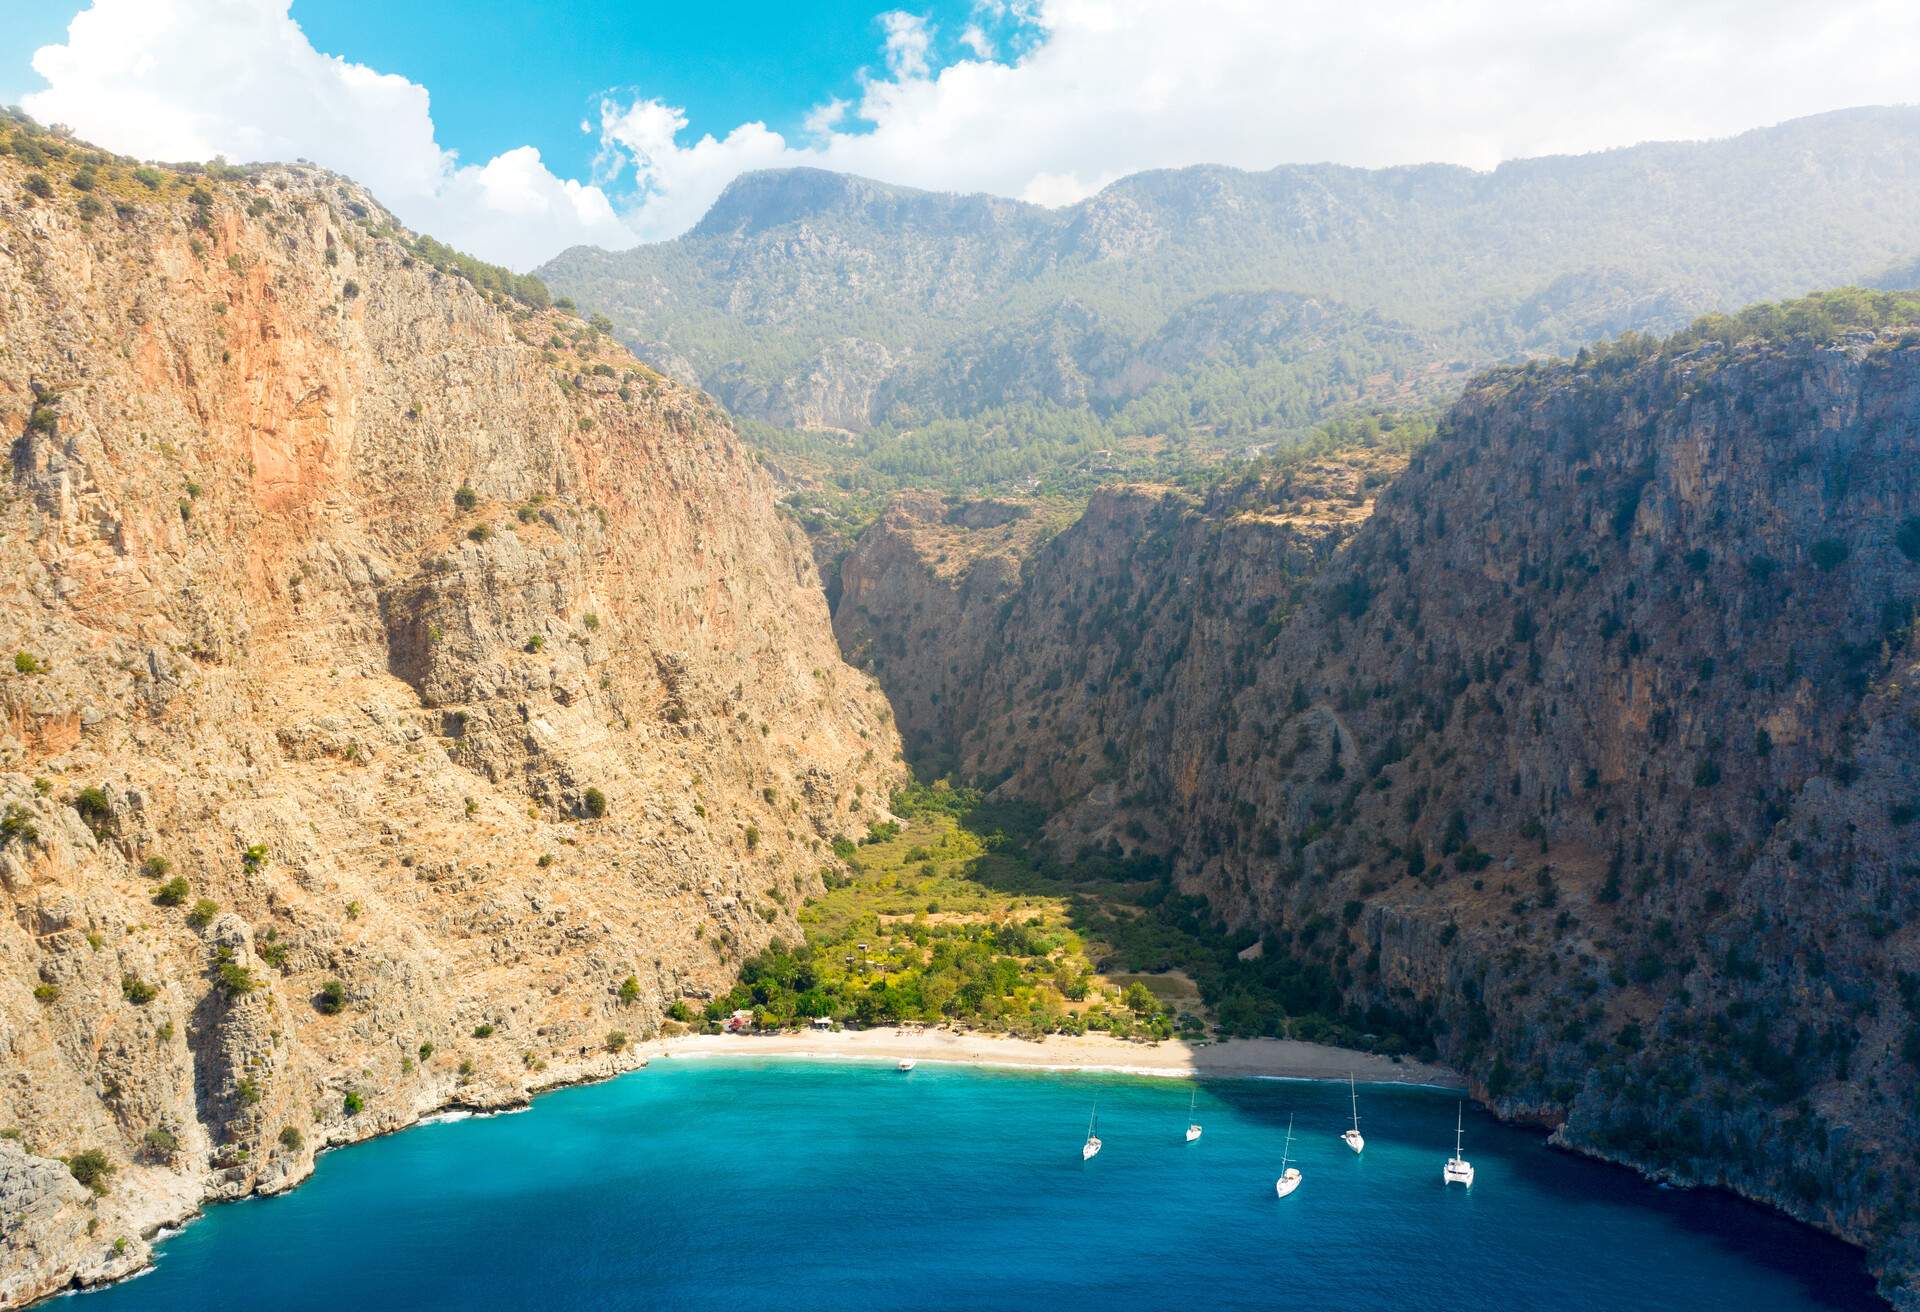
740 1183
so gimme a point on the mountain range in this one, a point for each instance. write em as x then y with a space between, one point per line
973 341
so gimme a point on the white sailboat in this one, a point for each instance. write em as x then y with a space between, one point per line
1092 1145
1193 1126
1289 1175
1352 1136
1458 1169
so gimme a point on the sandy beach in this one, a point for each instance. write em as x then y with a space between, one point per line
1273 1058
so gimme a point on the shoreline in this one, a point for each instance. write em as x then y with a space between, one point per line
1264 1059
1282 1059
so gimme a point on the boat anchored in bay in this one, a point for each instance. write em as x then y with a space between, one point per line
1458 1169
1289 1175
1353 1138
1193 1126
1092 1145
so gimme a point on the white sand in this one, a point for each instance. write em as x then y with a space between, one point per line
1279 1058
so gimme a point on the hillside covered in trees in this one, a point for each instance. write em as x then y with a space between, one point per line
892 337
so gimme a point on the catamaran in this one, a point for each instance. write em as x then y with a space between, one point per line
1353 1138
1193 1126
1289 1175
1092 1145
1458 1169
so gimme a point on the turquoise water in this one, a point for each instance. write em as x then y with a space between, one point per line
799 1185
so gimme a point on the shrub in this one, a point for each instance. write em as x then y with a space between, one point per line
1827 553
680 1011
465 498
426 1051
155 867
94 808
25 662
92 1169
616 1040
594 803
17 824
292 1140
37 184
46 992
331 1000
535 644
248 1090
159 1144
753 837
172 893
483 1031
136 990
202 913
479 533
354 1103
149 178
236 979
629 990
255 858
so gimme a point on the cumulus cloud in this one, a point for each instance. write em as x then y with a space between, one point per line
1042 99
909 44
191 79
1102 88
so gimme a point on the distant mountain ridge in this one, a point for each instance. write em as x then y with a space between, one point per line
808 300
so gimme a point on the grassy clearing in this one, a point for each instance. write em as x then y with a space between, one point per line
963 916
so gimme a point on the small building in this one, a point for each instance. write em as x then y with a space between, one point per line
740 1022
823 1022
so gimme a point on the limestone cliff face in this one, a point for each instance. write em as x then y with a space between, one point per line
1589 754
458 664
919 600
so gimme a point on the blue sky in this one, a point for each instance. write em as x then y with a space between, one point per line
466 118
505 73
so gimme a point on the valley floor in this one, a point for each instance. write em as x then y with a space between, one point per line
1277 1058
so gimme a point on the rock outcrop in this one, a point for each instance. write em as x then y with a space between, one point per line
1585 753
409 696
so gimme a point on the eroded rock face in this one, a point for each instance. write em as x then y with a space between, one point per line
918 600
1589 754
466 679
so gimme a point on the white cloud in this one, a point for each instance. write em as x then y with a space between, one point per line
676 183
909 44
191 79
1079 93
1103 88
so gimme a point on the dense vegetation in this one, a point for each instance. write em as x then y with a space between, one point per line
963 916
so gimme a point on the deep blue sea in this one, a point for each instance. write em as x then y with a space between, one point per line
750 1184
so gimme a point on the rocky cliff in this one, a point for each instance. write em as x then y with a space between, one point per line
409 697
1585 753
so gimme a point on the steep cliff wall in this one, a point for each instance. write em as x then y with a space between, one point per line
1590 754
457 665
